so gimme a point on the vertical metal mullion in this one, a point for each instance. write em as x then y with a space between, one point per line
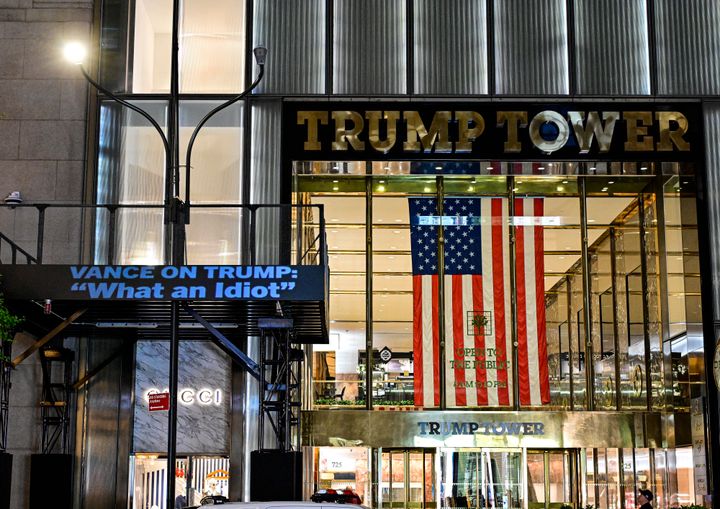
406 474
422 458
587 312
409 46
368 290
546 473
440 195
596 468
570 341
375 476
513 293
329 45
490 39
572 57
652 46
645 306
249 33
663 291
616 328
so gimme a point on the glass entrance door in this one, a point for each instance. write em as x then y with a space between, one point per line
553 479
482 478
407 478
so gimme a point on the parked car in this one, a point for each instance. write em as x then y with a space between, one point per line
346 496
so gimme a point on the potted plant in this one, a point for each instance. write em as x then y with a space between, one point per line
8 326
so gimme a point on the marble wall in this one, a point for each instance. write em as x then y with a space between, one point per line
204 398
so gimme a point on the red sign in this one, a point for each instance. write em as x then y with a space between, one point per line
159 401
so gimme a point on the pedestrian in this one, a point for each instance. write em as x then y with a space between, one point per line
644 497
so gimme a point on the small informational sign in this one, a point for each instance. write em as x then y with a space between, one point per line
159 401
697 425
385 354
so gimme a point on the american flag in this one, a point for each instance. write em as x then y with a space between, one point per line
477 311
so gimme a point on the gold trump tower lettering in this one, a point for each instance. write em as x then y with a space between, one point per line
455 132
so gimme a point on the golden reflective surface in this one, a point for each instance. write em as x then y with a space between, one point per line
494 429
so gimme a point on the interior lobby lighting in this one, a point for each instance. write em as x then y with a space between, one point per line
611 182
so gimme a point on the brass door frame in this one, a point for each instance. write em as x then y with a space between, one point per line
406 452
572 478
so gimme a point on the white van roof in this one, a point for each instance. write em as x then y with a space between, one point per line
290 505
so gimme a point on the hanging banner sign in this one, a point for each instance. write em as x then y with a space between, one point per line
138 282
594 131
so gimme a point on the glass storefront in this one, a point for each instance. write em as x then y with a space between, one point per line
196 477
617 271
507 477
635 299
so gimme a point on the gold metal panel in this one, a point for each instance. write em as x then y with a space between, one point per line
481 429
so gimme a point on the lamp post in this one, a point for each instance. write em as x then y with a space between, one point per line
177 212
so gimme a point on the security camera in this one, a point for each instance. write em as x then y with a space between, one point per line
13 198
260 54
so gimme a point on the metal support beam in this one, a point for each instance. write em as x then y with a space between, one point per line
48 337
280 395
226 345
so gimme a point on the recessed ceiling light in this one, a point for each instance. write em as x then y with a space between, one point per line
438 167
515 189
335 181
541 168
426 189
565 181
611 182
336 188
489 168
560 189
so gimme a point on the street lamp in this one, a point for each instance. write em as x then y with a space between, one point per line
75 53
176 212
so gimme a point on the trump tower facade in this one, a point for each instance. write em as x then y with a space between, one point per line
505 212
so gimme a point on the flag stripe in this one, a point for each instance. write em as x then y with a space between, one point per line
475 302
456 317
501 299
418 339
521 310
543 374
435 341
528 234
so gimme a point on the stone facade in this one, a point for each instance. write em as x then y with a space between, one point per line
43 103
